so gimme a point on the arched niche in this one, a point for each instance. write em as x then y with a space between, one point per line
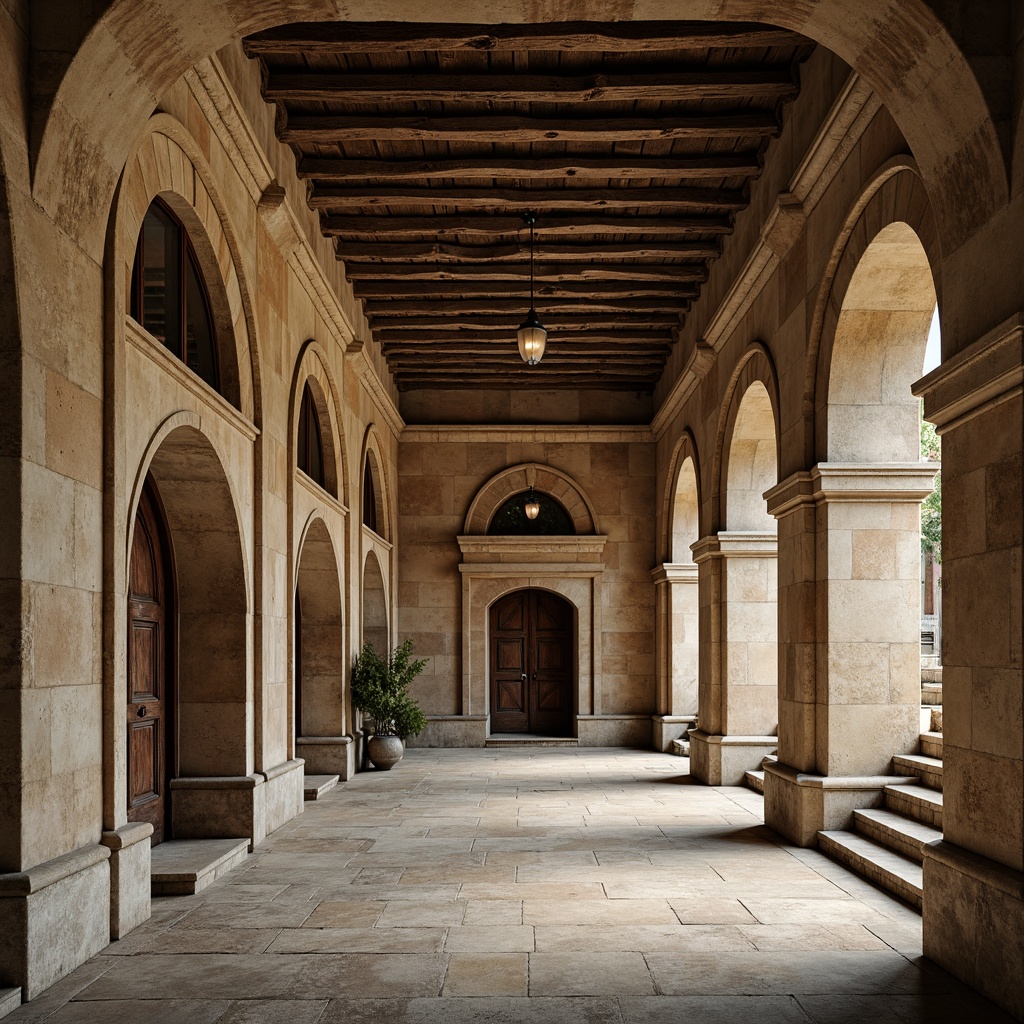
319 676
312 371
375 606
685 512
751 463
214 706
374 504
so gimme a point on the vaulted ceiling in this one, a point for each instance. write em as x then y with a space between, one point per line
423 146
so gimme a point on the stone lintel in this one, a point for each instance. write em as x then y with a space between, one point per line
674 572
34 879
736 544
976 378
526 546
563 570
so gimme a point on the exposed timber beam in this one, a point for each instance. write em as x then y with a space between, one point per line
321 129
431 227
521 272
613 37
559 289
726 165
635 337
443 324
507 382
437 350
516 307
626 85
529 199
433 253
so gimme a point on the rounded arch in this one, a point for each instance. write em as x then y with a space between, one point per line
213 597
895 196
166 162
546 479
680 505
372 456
319 708
375 606
755 370
312 368
921 74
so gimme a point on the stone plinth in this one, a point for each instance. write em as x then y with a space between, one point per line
327 755
129 848
228 807
677 650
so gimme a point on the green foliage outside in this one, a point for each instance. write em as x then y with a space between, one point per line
380 690
931 507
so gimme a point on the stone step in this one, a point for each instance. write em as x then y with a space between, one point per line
931 673
902 835
314 786
927 769
531 741
183 867
890 871
10 999
931 693
931 744
755 780
918 802
681 748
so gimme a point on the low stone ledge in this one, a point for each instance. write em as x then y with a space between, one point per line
127 835
24 883
10 999
281 769
185 867
219 782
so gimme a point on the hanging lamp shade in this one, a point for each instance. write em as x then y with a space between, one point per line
532 506
532 336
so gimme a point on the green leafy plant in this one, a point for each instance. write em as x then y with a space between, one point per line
380 690
931 507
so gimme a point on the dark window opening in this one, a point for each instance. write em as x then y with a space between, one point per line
311 450
369 499
168 294
511 518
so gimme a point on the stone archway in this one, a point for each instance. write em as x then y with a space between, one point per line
375 606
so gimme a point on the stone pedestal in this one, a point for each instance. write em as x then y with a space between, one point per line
284 793
220 807
53 917
677 650
129 848
738 689
327 755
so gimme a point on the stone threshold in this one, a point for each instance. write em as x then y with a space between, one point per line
183 867
314 786
529 740
10 999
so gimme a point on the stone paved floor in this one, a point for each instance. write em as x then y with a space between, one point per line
552 886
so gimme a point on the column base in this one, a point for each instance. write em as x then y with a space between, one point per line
974 922
723 760
129 848
53 917
284 793
666 728
798 805
220 807
451 731
327 755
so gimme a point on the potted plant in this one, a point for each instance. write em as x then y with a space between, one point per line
380 690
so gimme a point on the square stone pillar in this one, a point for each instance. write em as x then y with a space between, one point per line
677 646
738 688
849 636
974 879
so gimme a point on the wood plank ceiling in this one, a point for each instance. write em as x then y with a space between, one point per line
424 144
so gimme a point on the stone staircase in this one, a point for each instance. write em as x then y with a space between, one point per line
754 779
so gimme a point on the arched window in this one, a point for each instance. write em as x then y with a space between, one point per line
551 519
369 499
311 450
168 294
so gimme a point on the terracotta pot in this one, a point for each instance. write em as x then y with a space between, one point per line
385 752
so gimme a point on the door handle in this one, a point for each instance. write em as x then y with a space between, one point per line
522 678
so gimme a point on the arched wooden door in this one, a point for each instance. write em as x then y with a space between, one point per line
150 705
531 664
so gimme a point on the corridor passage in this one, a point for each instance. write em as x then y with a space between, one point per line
552 885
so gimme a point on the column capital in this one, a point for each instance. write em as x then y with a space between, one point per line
674 572
830 482
982 375
735 544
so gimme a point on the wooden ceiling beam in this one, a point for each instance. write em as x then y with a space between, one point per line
625 85
433 228
583 290
434 253
521 272
516 308
726 165
556 322
333 37
727 200
631 335
321 129
440 350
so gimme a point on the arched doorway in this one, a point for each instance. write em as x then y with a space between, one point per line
532 676
150 712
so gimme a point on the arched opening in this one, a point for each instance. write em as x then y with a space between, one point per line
531 666
375 606
310 447
529 514
319 677
752 465
212 660
373 510
685 514
684 604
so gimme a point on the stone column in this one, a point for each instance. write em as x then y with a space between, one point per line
677 646
974 879
738 706
849 636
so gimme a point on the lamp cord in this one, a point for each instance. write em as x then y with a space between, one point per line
531 264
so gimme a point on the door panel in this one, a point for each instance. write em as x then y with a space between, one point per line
531 664
148 677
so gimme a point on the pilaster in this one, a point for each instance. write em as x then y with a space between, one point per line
677 654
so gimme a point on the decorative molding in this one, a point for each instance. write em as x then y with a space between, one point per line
840 132
510 551
316 492
674 572
524 433
735 544
367 375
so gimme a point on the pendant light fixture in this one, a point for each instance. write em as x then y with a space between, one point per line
532 506
532 336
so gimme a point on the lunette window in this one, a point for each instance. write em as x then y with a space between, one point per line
311 450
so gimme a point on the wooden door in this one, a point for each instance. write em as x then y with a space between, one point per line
531 664
149 700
